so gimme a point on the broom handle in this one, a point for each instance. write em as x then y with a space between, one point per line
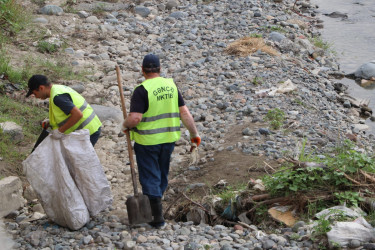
130 150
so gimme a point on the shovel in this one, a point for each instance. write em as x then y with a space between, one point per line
138 206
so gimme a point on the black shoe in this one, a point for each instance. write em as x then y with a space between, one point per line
157 213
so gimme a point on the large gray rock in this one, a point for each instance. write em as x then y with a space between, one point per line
11 195
142 11
79 87
366 71
337 14
13 129
108 113
178 15
276 37
92 19
51 10
171 4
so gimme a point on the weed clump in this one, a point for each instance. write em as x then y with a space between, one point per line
275 117
46 47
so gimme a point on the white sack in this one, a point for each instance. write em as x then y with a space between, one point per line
48 174
343 232
86 170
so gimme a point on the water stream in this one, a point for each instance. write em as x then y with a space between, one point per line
353 39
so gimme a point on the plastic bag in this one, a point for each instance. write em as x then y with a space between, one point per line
48 174
87 172
343 232
69 179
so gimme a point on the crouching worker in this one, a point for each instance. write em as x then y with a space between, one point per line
68 110
156 108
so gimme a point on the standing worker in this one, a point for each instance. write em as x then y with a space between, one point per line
68 110
155 110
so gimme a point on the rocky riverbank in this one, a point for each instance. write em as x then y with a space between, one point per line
228 96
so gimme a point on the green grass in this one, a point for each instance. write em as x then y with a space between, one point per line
99 9
26 116
320 43
256 35
276 28
257 81
46 47
13 18
230 192
54 70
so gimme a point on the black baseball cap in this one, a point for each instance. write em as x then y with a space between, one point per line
35 81
151 61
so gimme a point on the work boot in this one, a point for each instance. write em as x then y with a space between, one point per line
157 213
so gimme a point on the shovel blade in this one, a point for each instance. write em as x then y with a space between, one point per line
139 209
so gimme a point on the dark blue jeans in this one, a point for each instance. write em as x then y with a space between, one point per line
153 167
95 136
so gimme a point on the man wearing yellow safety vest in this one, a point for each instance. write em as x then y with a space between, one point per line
156 108
68 110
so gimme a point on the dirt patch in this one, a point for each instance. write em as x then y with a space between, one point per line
233 167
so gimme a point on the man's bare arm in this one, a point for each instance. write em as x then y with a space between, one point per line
188 121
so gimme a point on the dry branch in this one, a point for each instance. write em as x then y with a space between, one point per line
267 202
170 205
368 176
268 165
352 180
196 203
306 164
239 223
260 197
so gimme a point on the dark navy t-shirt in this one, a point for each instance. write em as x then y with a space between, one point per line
139 101
64 102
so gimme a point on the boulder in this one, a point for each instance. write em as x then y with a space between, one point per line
11 195
366 71
13 129
51 10
108 113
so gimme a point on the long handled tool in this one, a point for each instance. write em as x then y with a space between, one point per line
41 137
138 206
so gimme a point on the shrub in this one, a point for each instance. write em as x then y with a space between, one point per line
276 117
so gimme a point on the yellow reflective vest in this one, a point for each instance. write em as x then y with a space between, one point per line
161 122
57 117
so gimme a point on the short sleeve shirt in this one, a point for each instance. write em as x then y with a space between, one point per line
64 102
139 100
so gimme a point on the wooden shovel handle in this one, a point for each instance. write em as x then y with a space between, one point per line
130 150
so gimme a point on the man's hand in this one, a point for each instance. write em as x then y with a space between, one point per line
124 128
196 139
56 134
45 123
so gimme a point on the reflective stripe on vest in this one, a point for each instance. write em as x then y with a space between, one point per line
58 118
161 123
